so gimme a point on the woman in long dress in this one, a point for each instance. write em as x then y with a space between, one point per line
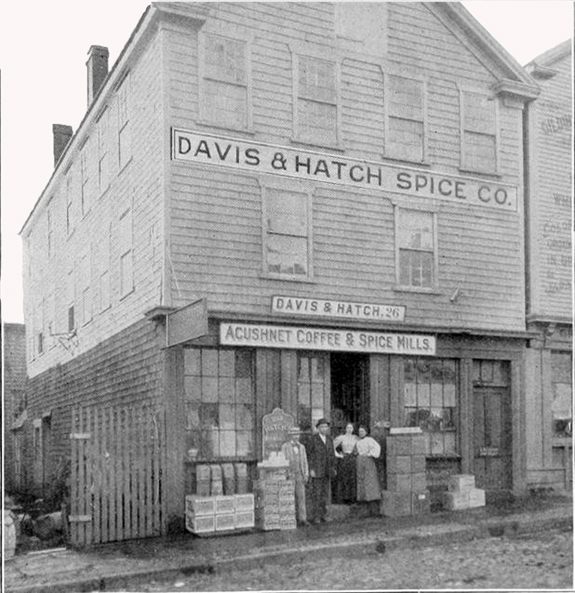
344 446
368 490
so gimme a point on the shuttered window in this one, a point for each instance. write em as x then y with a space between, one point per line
287 234
125 240
316 101
225 82
103 158
478 133
416 257
124 134
405 126
219 403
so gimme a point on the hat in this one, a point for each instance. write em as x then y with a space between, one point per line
322 421
294 430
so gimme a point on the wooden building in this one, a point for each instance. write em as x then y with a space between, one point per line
549 207
311 206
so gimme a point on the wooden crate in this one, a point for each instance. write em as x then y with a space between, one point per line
203 524
225 521
200 505
460 482
225 504
245 502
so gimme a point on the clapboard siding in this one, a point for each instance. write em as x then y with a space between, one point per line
550 220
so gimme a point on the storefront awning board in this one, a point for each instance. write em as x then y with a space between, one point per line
188 323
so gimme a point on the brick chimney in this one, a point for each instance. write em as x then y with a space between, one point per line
97 70
62 135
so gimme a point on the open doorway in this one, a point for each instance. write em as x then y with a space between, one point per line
349 390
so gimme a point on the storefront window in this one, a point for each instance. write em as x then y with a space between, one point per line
219 402
311 388
430 400
562 405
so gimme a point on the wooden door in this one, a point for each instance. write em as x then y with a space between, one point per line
492 438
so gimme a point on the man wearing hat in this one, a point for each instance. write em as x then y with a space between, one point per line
295 454
321 460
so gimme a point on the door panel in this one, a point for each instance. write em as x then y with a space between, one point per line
492 437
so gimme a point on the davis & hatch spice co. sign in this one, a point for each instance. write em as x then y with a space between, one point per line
258 157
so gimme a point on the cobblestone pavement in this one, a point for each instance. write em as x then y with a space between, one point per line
542 561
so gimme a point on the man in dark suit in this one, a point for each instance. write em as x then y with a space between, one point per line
321 461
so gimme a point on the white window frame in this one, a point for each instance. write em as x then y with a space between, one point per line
496 134
204 77
388 151
297 136
104 286
124 132
86 287
69 202
432 211
70 301
49 232
294 188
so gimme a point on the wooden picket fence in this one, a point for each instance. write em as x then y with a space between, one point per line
116 487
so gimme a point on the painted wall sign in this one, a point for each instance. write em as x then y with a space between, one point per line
258 157
341 309
309 338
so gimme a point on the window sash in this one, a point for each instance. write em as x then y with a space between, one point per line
316 100
479 137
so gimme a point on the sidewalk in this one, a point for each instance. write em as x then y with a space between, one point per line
107 567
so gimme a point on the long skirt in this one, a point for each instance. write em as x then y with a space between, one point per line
367 480
346 490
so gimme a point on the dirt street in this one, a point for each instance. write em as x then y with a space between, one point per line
544 561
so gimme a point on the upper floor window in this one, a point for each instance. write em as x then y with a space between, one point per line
84 178
69 203
316 101
85 269
49 232
125 237
479 138
416 250
405 122
124 137
70 302
103 161
224 99
287 237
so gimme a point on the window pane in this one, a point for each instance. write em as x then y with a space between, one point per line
209 363
479 114
415 268
405 98
287 213
405 140
225 104
479 152
193 388
287 255
415 229
226 389
209 389
225 59
192 361
317 79
317 122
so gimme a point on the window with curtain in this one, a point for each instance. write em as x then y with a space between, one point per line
431 396
287 246
415 249
219 403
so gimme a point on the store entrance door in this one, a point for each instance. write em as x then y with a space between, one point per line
349 390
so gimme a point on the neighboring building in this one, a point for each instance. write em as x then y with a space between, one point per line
549 206
14 405
311 206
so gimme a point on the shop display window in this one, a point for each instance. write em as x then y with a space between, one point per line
219 404
287 233
225 81
316 115
311 387
562 404
431 402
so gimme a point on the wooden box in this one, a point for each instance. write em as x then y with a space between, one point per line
460 482
456 501
225 504
420 502
245 502
476 497
225 521
203 524
200 505
245 519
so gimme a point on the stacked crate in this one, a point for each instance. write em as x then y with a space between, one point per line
213 514
217 483
241 474
203 480
275 504
462 493
406 492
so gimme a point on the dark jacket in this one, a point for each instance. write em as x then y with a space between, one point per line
320 457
